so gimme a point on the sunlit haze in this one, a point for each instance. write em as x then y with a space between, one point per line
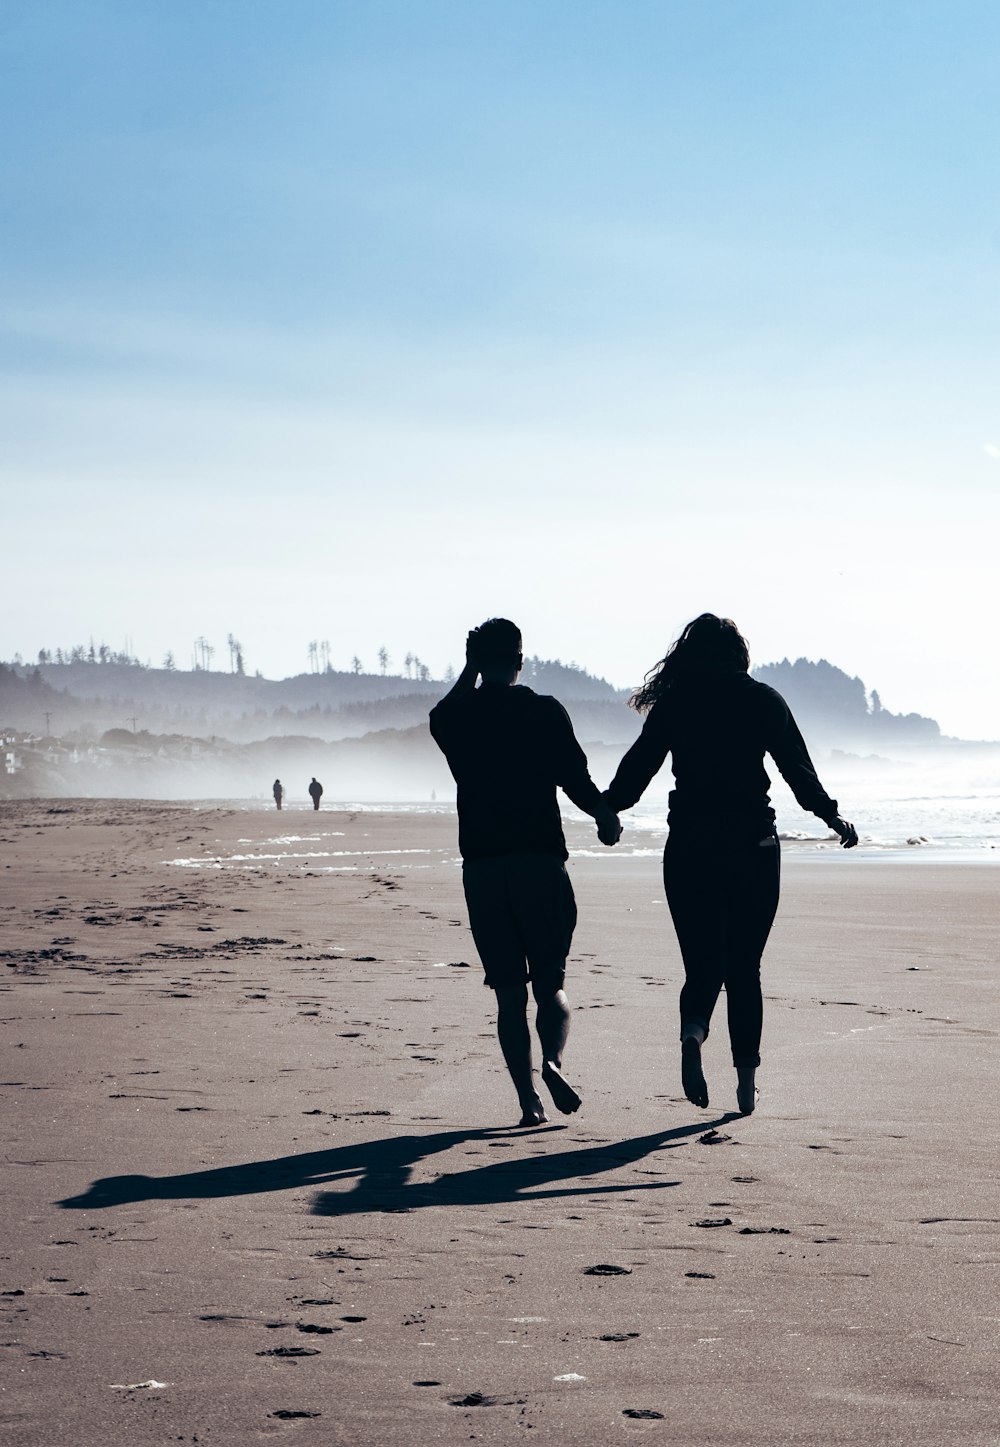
365 321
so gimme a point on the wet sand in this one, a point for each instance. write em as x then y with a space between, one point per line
258 1150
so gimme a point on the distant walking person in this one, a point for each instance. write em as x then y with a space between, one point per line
508 749
278 790
315 792
721 864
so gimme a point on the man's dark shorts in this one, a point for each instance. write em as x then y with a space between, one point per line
523 913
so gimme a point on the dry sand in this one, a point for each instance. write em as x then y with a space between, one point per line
257 1150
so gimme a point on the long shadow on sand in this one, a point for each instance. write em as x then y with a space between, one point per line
381 1172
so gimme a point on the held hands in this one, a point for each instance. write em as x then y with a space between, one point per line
609 827
847 832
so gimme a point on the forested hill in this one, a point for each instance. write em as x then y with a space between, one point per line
828 703
84 698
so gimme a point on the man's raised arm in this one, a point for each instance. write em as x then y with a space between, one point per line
464 683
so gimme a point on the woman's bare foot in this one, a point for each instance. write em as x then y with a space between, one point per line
747 1094
692 1076
564 1097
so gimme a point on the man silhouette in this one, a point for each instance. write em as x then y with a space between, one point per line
508 749
278 790
315 792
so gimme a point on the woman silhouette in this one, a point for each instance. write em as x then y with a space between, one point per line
721 864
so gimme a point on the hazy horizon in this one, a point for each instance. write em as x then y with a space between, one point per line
366 321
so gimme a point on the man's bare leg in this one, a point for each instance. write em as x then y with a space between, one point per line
552 1024
515 1042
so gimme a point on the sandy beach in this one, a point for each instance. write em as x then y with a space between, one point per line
260 1180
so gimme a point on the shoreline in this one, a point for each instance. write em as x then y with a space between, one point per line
796 844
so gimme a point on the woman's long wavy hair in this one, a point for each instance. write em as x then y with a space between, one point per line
708 646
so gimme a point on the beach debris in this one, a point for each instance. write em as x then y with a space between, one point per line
713 1138
427 1382
710 1221
642 1414
289 1352
701 1275
288 1414
569 1377
474 1399
618 1336
764 1231
151 1385
604 1269
318 1330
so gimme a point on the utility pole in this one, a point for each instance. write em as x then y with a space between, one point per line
132 722
48 729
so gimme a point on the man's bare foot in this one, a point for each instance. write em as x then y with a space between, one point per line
747 1094
692 1076
533 1113
564 1097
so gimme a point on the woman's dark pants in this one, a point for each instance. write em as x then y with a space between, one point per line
723 897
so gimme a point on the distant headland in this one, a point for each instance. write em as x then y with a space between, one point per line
88 721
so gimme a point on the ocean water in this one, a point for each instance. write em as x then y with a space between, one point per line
937 804
941 805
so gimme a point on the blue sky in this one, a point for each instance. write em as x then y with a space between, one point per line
366 321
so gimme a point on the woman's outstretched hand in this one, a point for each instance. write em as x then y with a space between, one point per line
848 833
